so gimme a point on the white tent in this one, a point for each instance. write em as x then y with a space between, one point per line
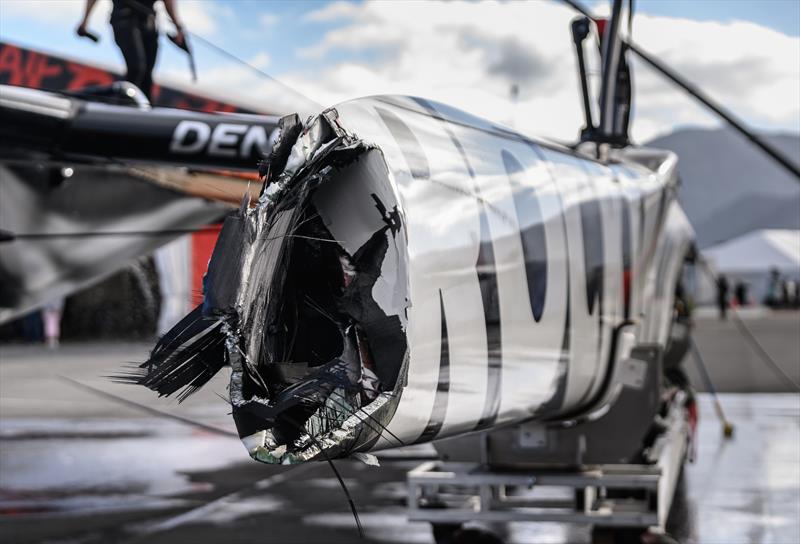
750 258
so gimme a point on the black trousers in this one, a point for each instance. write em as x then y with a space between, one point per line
137 38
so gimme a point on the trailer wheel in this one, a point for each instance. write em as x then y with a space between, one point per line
449 533
444 533
618 535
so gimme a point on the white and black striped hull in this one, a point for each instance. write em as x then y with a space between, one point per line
517 253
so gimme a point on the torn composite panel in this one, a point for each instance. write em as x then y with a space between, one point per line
307 291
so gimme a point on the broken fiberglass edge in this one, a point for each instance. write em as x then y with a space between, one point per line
293 303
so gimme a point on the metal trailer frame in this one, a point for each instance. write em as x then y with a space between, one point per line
454 493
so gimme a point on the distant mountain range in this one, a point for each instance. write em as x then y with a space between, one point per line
730 187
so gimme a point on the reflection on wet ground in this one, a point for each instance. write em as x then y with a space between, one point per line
746 489
104 465
76 468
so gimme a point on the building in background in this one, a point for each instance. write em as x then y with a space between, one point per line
751 259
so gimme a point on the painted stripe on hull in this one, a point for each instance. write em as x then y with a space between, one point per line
478 243
443 388
532 238
486 267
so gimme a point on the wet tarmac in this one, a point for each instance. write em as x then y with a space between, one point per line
78 468
733 360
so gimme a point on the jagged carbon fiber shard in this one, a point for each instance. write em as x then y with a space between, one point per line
184 359
305 300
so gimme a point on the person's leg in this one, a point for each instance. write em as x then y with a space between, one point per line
52 326
128 36
150 45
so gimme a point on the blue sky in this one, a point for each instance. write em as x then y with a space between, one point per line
781 15
239 30
243 32
333 51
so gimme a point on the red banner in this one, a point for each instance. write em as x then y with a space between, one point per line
29 68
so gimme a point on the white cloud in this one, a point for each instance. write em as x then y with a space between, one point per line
53 11
332 12
463 53
753 70
268 19
238 84
468 54
260 60
200 16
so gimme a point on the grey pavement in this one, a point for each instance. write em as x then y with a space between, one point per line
732 359
79 468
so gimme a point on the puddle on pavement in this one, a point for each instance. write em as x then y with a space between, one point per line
83 466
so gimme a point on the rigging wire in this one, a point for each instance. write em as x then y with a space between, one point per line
762 353
346 491
258 71
750 337
7 236
699 95
727 426
141 407
136 6
169 524
217 430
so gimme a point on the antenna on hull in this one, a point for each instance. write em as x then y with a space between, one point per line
614 103
616 117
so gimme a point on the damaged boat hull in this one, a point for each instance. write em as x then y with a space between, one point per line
412 273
